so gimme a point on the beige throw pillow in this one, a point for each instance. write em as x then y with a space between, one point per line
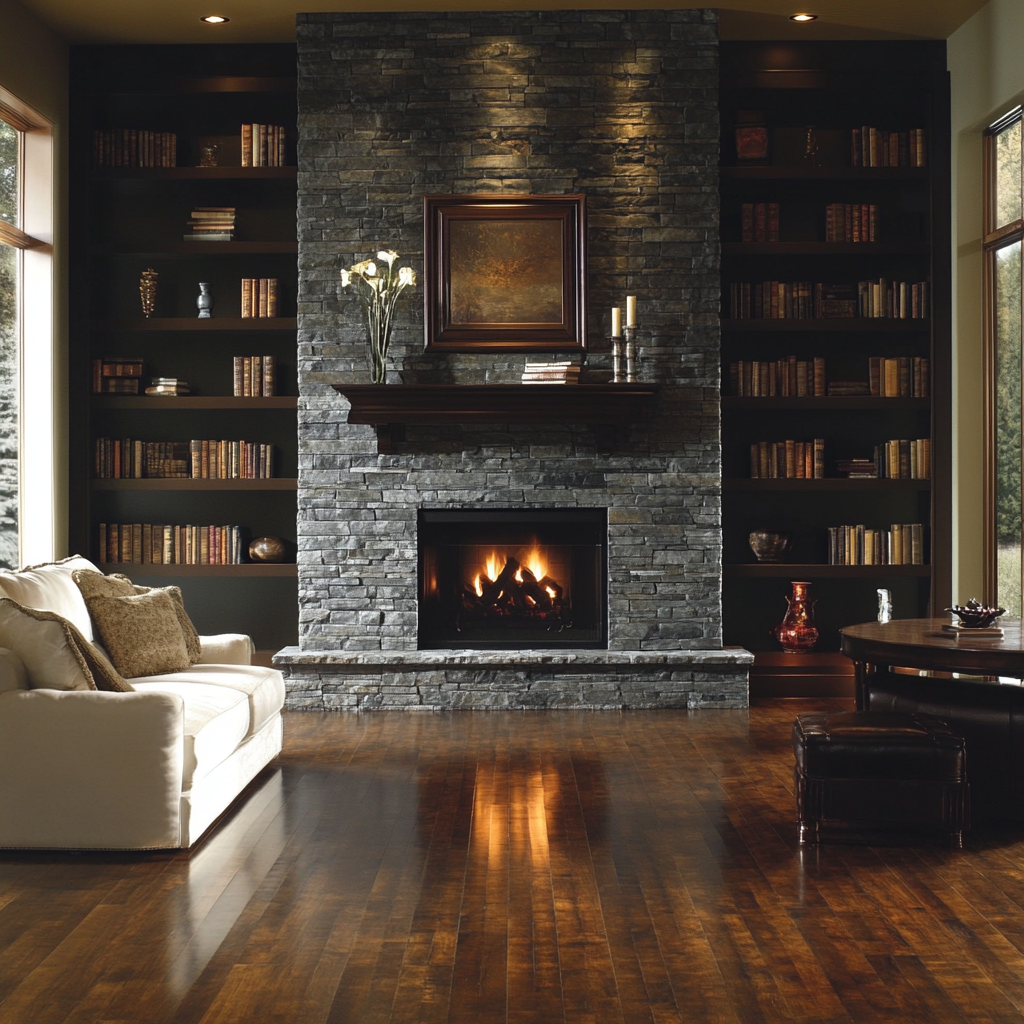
95 584
55 654
141 633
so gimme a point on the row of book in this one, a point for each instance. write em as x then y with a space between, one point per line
852 222
802 300
116 375
899 376
211 224
159 544
134 147
873 147
787 460
127 458
254 376
759 222
259 297
892 460
263 145
901 544
561 372
782 378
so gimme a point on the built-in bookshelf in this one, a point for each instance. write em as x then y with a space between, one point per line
835 333
183 440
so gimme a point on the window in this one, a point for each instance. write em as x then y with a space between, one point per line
1004 232
26 336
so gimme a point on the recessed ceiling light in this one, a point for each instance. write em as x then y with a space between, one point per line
215 19
803 17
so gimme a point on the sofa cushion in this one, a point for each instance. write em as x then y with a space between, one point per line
55 654
51 588
216 721
263 687
140 632
95 584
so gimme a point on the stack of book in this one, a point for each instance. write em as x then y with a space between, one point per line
259 296
870 147
211 224
899 377
263 145
787 460
849 389
901 544
125 458
759 222
231 460
563 372
254 376
131 147
158 544
116 375
783 378
168 387
851 222
858 469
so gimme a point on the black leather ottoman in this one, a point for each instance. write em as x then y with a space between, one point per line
871 772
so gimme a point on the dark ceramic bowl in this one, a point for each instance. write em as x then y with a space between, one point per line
768 545
975 615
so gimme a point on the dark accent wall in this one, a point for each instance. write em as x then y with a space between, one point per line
619 105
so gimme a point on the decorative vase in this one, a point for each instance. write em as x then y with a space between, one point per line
204 300
267 549
147 290
380 340
769 545
796 632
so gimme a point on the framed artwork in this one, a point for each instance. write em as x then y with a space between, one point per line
505 273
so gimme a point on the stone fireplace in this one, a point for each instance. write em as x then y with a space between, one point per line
622 107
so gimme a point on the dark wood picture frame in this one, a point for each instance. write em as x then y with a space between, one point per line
505 273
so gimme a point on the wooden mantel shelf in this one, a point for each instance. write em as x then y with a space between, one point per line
390 407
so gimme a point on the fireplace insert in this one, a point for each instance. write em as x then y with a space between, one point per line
513 578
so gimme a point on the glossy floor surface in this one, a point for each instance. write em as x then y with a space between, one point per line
525 867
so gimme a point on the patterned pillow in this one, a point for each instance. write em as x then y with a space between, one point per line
141 633
95 584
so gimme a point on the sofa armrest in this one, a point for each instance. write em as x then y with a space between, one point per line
90 769
13 675
226 649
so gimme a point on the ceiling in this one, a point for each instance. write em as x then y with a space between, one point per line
177 21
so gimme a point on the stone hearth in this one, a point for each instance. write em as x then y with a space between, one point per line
620 106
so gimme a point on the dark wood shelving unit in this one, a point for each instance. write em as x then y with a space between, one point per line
125 219
835 87
183 484
181 323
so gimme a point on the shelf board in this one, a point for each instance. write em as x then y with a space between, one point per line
193 173
865 325
824 173
247 569
835 403
825 248
178 85
827 484
190 403
814 571
217 323
188 484
180 249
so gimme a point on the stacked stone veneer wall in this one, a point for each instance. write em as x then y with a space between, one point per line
619 105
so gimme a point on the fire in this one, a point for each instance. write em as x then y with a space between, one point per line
495 562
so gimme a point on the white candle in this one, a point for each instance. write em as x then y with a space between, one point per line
616 322
631 311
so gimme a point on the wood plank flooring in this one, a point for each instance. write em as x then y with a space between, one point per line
528 868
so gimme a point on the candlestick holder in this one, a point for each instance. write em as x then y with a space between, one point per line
630 335
616 359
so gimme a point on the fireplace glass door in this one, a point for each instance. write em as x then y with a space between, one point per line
512 579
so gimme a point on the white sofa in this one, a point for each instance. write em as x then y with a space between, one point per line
153 769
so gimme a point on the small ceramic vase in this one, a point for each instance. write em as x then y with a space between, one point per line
796 632
204 301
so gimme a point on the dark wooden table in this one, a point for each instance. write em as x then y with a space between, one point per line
922 644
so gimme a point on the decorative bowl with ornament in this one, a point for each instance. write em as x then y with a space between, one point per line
975 615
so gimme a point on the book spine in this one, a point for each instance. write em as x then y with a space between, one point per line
247 145
246 297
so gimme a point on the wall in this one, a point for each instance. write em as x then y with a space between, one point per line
34 67
987 79
621 106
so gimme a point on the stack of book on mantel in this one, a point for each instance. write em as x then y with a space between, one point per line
211 224
551 373
116 375
168 386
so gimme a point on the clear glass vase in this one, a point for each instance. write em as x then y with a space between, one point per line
378 354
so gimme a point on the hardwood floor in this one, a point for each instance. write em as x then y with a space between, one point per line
524 867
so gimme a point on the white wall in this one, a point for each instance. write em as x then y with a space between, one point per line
987 77
34 67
